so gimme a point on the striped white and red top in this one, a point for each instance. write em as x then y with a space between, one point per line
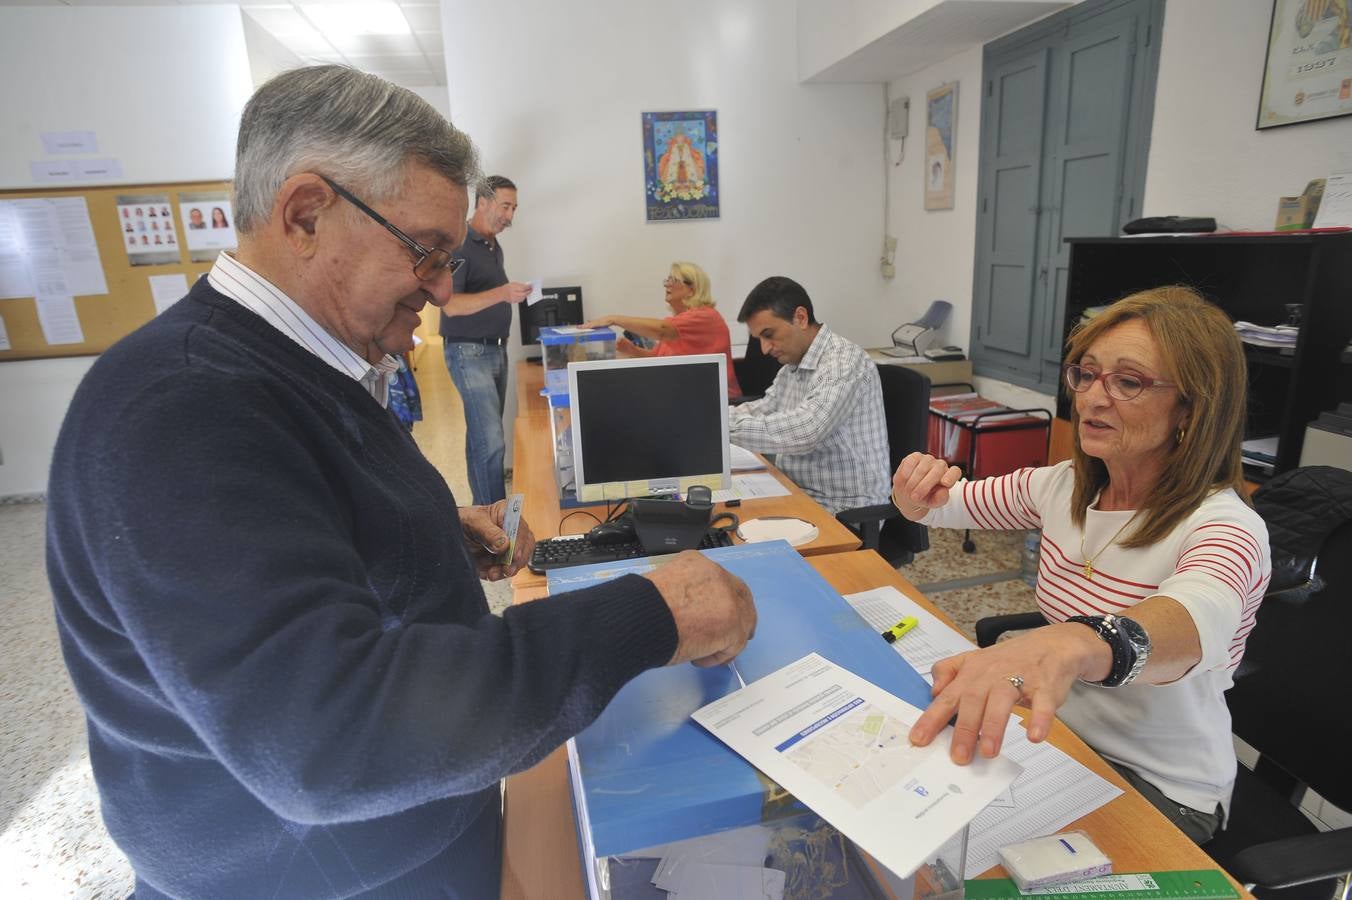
1215 563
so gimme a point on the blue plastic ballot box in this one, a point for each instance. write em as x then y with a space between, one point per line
645 774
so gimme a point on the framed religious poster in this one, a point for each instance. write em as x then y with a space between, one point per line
680 165
941 121
1308 75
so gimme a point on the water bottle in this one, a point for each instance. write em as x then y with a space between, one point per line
1032 545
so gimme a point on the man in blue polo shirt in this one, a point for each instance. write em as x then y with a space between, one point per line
474 329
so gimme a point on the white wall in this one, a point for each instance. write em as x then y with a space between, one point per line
83 68
559 111
934 248
1205 156
161 86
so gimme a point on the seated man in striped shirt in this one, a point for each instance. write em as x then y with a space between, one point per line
1152 568
823 415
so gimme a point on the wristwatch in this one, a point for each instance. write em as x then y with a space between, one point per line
1129 642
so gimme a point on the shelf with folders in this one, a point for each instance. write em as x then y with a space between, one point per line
1268 280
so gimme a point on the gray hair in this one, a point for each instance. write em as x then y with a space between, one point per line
358 129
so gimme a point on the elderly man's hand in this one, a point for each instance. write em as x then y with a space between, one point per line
715 615
1037 669
487 541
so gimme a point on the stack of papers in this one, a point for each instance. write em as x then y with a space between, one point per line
1053 789
1260 452
838 743
751 486
743 460
1264 336
923 646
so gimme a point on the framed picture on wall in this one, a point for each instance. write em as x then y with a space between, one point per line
1308 75
941 122
680 165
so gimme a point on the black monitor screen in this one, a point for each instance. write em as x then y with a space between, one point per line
559 306
658 420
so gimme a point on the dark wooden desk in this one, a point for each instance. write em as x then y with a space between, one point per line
540 854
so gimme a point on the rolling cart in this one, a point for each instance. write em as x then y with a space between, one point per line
985 438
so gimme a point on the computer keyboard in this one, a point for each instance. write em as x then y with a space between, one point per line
579 550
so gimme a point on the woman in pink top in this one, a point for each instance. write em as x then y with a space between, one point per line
693 327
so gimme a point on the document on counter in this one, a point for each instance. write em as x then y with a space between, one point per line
751 486
743 460
839 744
925 644
1052 791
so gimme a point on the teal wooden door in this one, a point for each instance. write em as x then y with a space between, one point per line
1065 125
1007 233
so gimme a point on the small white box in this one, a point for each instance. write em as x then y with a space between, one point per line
1054 859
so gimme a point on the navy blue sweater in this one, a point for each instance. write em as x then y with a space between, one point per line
293 684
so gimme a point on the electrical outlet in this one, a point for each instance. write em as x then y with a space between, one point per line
889 270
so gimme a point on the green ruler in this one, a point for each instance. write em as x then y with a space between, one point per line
1198 884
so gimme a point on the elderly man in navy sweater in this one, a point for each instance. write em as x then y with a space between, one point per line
267 598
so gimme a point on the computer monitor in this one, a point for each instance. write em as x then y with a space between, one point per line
559 306
649 426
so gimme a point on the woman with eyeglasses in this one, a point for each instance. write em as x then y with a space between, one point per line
1152 563
693 327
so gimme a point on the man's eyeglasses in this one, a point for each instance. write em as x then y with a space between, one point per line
428 263
1119 385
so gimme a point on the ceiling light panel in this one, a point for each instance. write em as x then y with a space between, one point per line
287 25
346 20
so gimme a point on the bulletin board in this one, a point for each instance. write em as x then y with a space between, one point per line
105 318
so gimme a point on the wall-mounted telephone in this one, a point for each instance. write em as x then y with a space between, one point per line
899 118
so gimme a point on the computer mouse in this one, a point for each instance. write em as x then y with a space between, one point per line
617 532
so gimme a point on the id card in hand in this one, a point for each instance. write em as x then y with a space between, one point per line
510 523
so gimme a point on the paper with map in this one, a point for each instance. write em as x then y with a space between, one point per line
839 744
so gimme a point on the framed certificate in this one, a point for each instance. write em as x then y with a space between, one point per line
1308 75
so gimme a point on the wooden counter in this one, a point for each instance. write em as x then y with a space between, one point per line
540 852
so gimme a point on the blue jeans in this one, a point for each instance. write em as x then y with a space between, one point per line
479 372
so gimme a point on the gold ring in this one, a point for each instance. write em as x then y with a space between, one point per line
1017 681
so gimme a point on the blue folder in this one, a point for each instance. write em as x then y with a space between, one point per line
648 774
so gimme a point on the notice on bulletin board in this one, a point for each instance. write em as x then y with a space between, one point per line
54 236
209 224
148 231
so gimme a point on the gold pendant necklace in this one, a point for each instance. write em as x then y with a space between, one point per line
1089 560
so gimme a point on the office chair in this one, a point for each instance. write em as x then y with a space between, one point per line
1289 697
1289 701
906 408
755 371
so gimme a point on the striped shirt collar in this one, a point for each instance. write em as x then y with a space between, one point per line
813 357
255 293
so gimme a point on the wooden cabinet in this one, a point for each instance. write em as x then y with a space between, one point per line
1254 278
